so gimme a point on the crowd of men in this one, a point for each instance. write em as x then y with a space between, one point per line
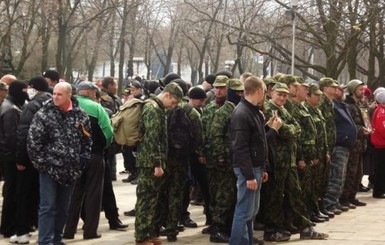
306 142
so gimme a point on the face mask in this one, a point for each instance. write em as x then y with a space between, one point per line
31 93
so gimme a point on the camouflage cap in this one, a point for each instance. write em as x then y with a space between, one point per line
327 82
269 80
314 89
220 81
288 79
174 89
281 87
235 84
301 81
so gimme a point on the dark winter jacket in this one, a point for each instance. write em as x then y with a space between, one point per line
10 112
346 129
248 138
59 142
26 117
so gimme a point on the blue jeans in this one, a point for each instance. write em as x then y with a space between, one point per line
53 208
339 161
246 209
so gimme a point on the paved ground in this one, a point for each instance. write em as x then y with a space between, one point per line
362 226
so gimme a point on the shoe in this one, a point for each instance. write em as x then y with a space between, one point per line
316 219
59 243
326 212
23 239
171 238
155 241
162 231
96 236
258 241
381 196
130 213
259 226
310 233
363 188
208 230
113 178
342 208
134 182
293 230
348 204
68 236
130 178
275 237
144 243
357 203
117 225
197 202
322 215
219 237
336 211
123 172
189 223
180 227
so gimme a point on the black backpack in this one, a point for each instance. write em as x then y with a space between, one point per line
179 128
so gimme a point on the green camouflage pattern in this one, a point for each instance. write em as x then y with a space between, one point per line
286 142
207 117
152 151
326 107
220 136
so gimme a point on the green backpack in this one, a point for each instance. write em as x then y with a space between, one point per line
125 122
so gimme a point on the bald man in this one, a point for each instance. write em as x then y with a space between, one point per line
8 79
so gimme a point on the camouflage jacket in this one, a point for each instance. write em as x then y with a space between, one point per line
152 150
321 139
285 145
306 146
207 117
220 135
60 142
355 110
326 108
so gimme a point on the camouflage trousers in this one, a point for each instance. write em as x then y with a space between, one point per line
223 197
321 178
147 208
307 178
171 198
283 205
354 173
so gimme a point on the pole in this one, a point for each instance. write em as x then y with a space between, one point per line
293 43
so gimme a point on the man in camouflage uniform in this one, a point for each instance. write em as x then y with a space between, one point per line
177 166
269 82
283 181
292 85
312 101
220 90
151 160
328 86
354 170
306 148
225 181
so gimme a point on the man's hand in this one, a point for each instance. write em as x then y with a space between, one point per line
265 177
158 172
20 167
252 184
301 164
202 160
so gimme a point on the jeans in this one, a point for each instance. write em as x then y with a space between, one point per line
246 209
339 161
54 203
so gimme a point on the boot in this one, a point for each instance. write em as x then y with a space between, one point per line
147 242
324 211
156 241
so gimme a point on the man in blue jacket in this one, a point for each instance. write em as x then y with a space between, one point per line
345 139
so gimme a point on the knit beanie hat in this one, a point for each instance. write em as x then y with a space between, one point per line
39 83
197 93
210 78
380 98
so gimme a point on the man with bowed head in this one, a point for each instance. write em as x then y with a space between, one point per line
249 147
59 146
